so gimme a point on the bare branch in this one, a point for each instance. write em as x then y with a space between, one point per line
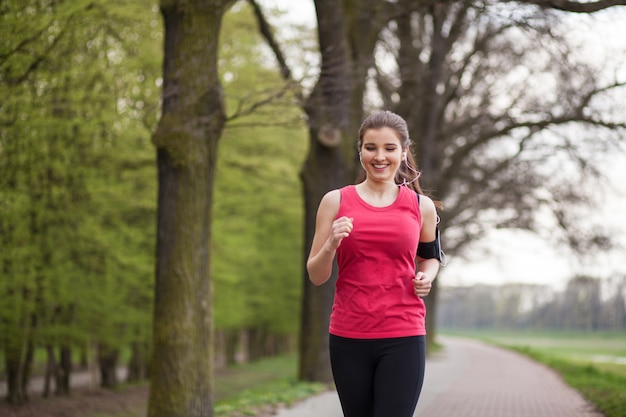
35 64
23 44
577 6
268 34
245 108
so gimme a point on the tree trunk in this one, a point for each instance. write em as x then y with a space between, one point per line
231 344
420 105
18 361
186 140
51 370
334 110
138 366
257 343
323 170
64 372
107 361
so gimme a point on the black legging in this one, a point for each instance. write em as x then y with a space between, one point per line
378 377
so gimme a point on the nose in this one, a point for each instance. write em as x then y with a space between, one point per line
379 156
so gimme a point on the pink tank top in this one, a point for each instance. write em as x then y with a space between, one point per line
374 291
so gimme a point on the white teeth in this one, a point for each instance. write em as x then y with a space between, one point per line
380 166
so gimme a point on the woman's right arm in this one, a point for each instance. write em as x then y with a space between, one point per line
329 232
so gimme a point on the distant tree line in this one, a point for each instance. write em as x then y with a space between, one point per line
585 304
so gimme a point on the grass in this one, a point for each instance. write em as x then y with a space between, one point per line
273 394
592 363
604 388
248 389
243 389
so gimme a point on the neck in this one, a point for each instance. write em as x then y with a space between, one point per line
378 194
379 187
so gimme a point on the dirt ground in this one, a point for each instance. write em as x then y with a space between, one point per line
87 400
130 402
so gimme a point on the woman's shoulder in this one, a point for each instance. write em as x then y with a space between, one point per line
427 207
335 195
331 201
332 195
426 203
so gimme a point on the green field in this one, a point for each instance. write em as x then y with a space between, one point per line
592 363
604 350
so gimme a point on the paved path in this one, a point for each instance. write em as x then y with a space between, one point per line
472 379
79 379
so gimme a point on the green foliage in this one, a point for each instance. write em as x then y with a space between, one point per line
258 233
80 82
78 187
258 199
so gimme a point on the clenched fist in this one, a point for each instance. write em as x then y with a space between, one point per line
422 284
340 229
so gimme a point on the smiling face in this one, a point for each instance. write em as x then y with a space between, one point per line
381 154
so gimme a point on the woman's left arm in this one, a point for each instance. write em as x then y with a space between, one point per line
427 269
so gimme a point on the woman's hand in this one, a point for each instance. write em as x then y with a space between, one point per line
339 230
329 232
422 284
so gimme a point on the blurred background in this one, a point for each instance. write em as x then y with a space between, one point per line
516 111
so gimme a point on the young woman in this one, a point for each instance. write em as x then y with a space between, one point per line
383 232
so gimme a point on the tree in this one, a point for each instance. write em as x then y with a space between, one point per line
186 140
257 229
582 304
78 186
576 6
334 109
439 47
64 68
487 135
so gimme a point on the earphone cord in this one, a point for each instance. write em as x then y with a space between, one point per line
417 175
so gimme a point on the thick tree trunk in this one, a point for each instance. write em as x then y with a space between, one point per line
335 110
348 32
323 170
186 140
420 105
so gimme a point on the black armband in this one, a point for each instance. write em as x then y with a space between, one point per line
430 250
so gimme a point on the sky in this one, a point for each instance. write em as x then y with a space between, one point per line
299 11
520 257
